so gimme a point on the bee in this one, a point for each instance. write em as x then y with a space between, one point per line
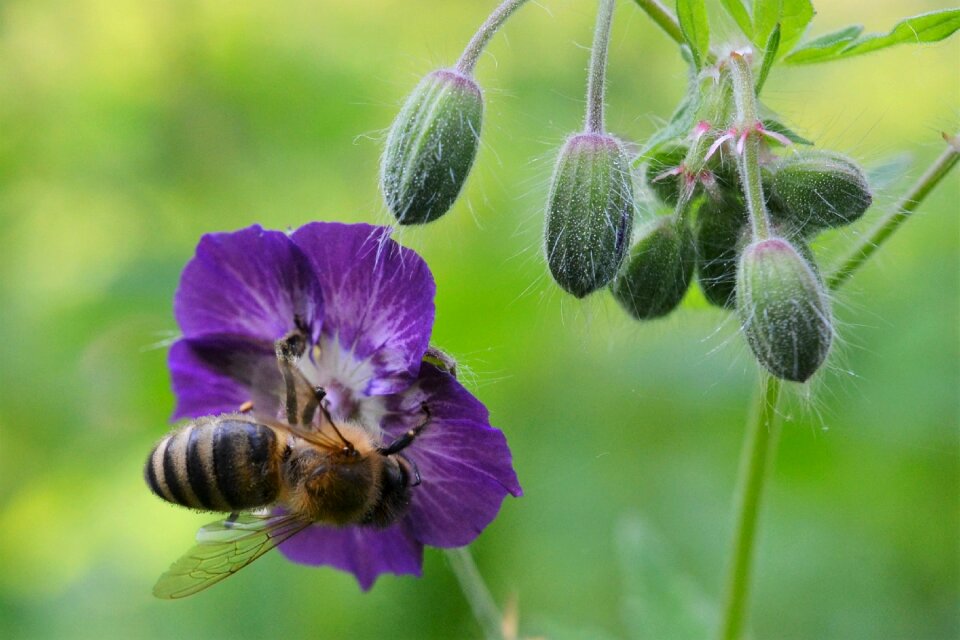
309 469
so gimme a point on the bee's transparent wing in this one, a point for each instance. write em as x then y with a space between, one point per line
222 549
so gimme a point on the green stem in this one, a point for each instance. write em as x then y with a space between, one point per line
749 166
664 19
598 67
480 39
475 591
755 463
898 215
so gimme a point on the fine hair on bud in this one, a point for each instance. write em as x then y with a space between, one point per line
589 213
657 273
719 230
814 190
431 147
783 308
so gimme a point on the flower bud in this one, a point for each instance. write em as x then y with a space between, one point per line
658 271
784 311
815 190
589 213
431 147
661 175
719 229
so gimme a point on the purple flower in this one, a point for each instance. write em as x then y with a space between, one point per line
367 303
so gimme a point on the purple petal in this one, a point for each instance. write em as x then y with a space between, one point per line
379 300
464 463
216 374
366 552
250 282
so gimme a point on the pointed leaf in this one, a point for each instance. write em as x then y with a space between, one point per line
769 55
927 27
692 15
793 16
738 11
824 47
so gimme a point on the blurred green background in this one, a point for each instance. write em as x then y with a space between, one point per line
128 128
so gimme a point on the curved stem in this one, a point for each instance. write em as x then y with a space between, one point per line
468 60
899 214
749 165
598 67
475 591
664 19
755 463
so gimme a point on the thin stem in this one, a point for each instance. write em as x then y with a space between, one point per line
664 19
475 590
755 463
475 47
899 214
598 67
749 165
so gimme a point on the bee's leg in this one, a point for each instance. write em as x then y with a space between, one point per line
410 470
288 350
231 519
310 407
404 441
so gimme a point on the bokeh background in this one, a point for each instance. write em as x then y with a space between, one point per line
128 128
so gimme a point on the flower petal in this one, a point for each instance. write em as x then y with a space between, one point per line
465 464
378 300
250 282
217 374
366 552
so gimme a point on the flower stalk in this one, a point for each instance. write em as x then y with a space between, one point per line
663 19
755 463
598 67
468 60
749 134
476 592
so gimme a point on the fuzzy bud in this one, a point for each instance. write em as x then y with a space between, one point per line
784 311
814 190
719 229
431 147
589 213
658 271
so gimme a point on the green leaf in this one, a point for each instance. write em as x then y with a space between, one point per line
926 27
692 15
769 55
792 15
824 47
681 122
741 16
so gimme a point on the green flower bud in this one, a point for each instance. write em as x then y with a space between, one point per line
431 147
658 271
815 190
589 213
784 311
719 231
660 172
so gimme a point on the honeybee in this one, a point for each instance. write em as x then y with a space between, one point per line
306 470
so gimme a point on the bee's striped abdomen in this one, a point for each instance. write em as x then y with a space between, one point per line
227 463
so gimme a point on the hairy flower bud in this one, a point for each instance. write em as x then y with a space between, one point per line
589 213
719 229
658 271
661 175
784 311
431 147
815 190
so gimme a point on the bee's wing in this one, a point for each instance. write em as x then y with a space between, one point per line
222 549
